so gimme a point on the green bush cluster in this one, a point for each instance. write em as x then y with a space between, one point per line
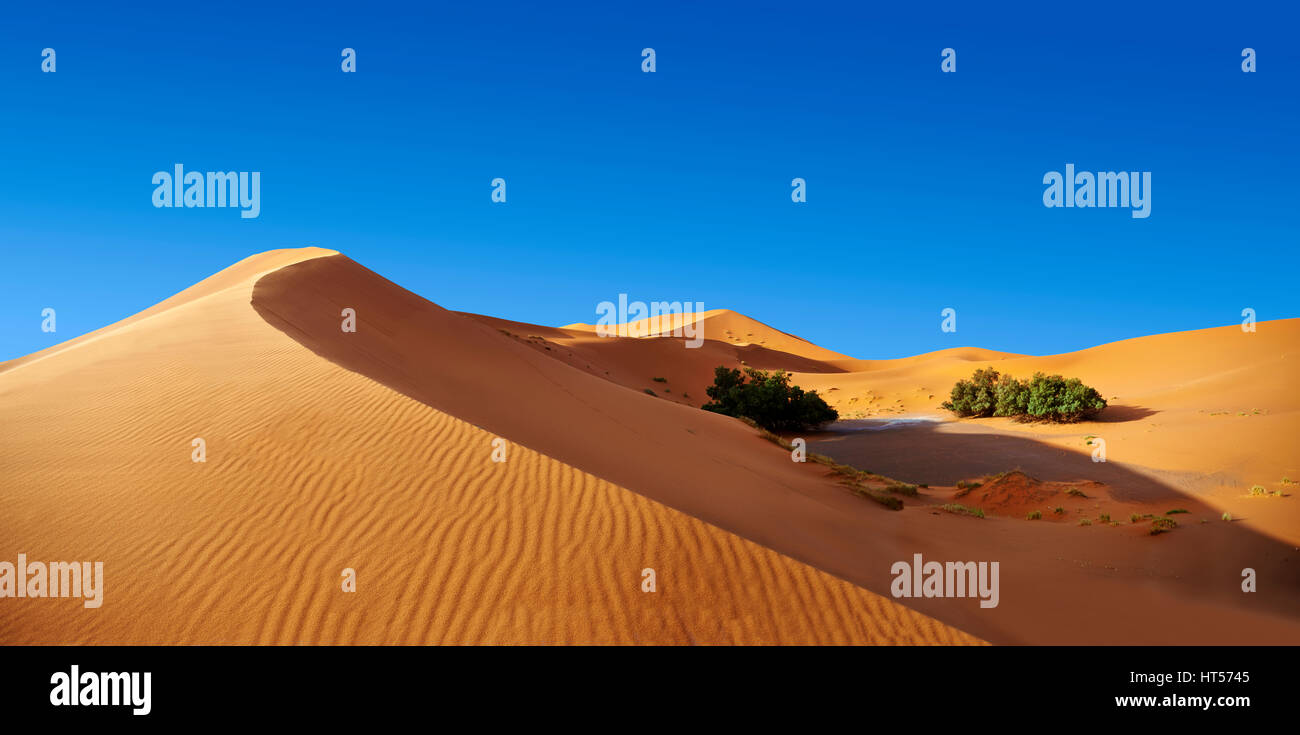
1041 398
768 399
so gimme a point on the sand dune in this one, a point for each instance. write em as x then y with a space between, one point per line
312 468
372 450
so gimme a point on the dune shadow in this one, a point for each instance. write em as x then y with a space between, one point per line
943 453
1121 414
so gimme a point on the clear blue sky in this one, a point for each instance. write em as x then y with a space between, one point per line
924 188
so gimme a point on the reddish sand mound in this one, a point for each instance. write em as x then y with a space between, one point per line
1016 493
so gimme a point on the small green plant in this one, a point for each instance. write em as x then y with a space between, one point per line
1076 492
1085 522
1258 490
1060 511
902 488
649 392
1227 516
660 380
1162 525
963 510
1034 515
885 499
1175 510
1104 518
1134 518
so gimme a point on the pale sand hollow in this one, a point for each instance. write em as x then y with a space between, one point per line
312 468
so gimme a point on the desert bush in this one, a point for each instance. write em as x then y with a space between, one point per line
1034 515
975 397
1162 524
885 499
1041 398
963 510
902 488
768 399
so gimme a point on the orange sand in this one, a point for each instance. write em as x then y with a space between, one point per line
312 468
372 450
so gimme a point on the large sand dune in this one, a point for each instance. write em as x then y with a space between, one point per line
312 468
373 450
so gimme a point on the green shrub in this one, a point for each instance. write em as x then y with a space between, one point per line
1034 515
1059 510
1258 490
1227 516
1085 522
660 380
902 488
1134 518
768 399
649 392
1162 524
1104 518
1042 398
1075 492
975 397
885 499
963 510
1176 510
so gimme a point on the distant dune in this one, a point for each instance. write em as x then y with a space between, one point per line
372 450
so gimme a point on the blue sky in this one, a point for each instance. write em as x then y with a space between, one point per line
924 188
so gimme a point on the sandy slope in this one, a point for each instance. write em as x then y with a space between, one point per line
327 447
312 468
